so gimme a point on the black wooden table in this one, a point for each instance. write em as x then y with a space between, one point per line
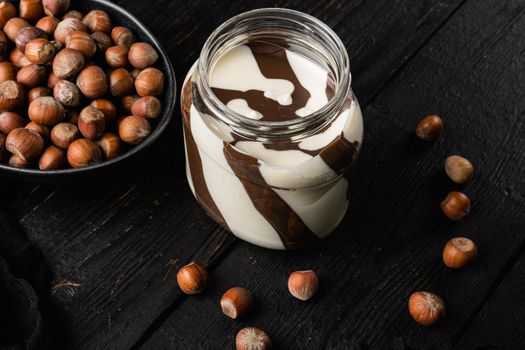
114 247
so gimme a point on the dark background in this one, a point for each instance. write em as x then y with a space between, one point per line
113 248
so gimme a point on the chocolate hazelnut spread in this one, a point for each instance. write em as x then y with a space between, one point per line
282 192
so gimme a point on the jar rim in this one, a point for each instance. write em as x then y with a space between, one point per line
333 46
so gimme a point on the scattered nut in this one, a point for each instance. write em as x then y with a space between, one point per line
92 82
458 252
82 42
148 107
426 308
459 169
52 158
150 82
111 145
236 302
10 121
55 7
32 75
98 21
122 36
12 95
251 338
134 130
430 128
120 82
83 152
192 278
46 111
25 144
303 284
66 27
456 205
107 107
142 55
7 11
63 135
91 123
40 51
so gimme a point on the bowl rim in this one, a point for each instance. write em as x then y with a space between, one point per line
163 120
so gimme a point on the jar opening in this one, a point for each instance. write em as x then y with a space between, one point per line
297 32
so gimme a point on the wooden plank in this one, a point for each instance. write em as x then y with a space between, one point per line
500 323
390 244
113 246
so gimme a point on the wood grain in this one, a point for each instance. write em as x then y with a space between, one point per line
391 241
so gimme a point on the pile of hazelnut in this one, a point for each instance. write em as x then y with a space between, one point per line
74 89
427 308
236 302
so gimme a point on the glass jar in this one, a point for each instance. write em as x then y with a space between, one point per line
280 183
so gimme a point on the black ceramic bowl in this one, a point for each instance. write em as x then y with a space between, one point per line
119 16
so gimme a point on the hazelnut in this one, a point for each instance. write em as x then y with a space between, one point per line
31 9
25 144
426 308
46 110
192 278
52 80
32 75
147 107
303 284
10 121
63 134
4 43
27 34
458 169
52 158
133 129
7 11
458 252
92 82
40 51
12 95
66 27
91 123
68 63
73 14
456 205
18 58
102 40
117 56
58 46
120 82
82 42
17 162
55 7
107 107
236 302
150 82
430 128
98 21
41 129
251 338
122 36
83 152
7 71
66 93
142 55
110 144
48 24
13 26
128 101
